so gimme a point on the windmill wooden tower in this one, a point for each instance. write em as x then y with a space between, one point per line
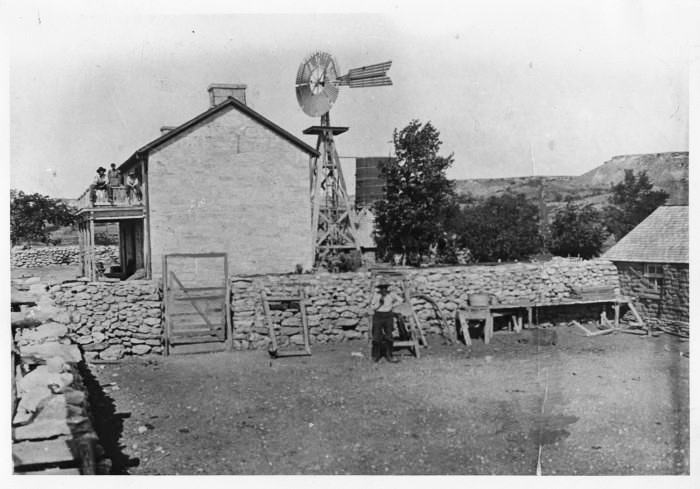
332 214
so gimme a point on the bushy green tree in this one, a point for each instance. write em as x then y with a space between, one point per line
632 200
418 198
504 227
577 230
31 213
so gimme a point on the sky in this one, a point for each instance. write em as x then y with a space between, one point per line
515 88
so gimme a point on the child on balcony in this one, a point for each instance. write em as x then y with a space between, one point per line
115 179
133 187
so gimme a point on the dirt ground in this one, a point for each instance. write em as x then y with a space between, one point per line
613 404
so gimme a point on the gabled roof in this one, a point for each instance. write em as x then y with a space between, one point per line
660 238
212 112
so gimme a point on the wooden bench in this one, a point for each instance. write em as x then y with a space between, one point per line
517 310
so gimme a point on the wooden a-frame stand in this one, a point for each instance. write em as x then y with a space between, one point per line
286 302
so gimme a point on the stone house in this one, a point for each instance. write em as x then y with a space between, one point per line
653 265
228 180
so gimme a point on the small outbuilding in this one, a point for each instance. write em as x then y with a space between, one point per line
653 265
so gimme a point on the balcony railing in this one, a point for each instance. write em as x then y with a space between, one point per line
119 199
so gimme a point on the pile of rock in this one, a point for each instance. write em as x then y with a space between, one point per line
51 425
60 255
112 319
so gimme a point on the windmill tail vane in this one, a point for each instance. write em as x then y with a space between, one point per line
366 76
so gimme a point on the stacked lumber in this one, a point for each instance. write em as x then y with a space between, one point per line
52 432
592 293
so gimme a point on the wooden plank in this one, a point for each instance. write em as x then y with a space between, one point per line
182 308
196 289
189 340
204 347
187 314
186 308
166 311
290 353
579 325
227 307
197 255
270 326
145 195
602 332
182 333
488 329
190 297
172 274
304 323
464 326
92 275
635 313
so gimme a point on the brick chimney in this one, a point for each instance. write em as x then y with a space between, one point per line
219 92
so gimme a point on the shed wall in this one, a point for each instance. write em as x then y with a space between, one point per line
670 303
231 185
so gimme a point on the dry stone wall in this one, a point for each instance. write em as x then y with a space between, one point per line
112 319
60 255
337 304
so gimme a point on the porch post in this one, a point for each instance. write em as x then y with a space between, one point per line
91 246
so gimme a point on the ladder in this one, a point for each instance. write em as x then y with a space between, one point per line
415 338
284 302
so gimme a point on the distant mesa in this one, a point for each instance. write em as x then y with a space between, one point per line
667 171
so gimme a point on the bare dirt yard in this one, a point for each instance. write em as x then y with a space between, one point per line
614 404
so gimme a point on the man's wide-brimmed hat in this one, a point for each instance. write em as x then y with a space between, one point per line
383 284
100 170
132 172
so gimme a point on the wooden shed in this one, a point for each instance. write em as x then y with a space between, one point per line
653 265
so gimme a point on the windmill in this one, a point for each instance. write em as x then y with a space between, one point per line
332 214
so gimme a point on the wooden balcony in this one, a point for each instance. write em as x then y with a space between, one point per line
120 207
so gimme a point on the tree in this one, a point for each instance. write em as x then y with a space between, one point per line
418 198
31 213
577 230
633 199
504 227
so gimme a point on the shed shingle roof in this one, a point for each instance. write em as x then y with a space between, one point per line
660 238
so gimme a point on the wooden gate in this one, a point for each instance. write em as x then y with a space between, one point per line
196 294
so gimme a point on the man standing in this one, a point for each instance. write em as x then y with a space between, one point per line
98 183
114 177
382 304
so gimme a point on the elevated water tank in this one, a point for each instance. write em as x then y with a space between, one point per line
369 182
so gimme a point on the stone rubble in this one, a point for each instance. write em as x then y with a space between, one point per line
49 398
